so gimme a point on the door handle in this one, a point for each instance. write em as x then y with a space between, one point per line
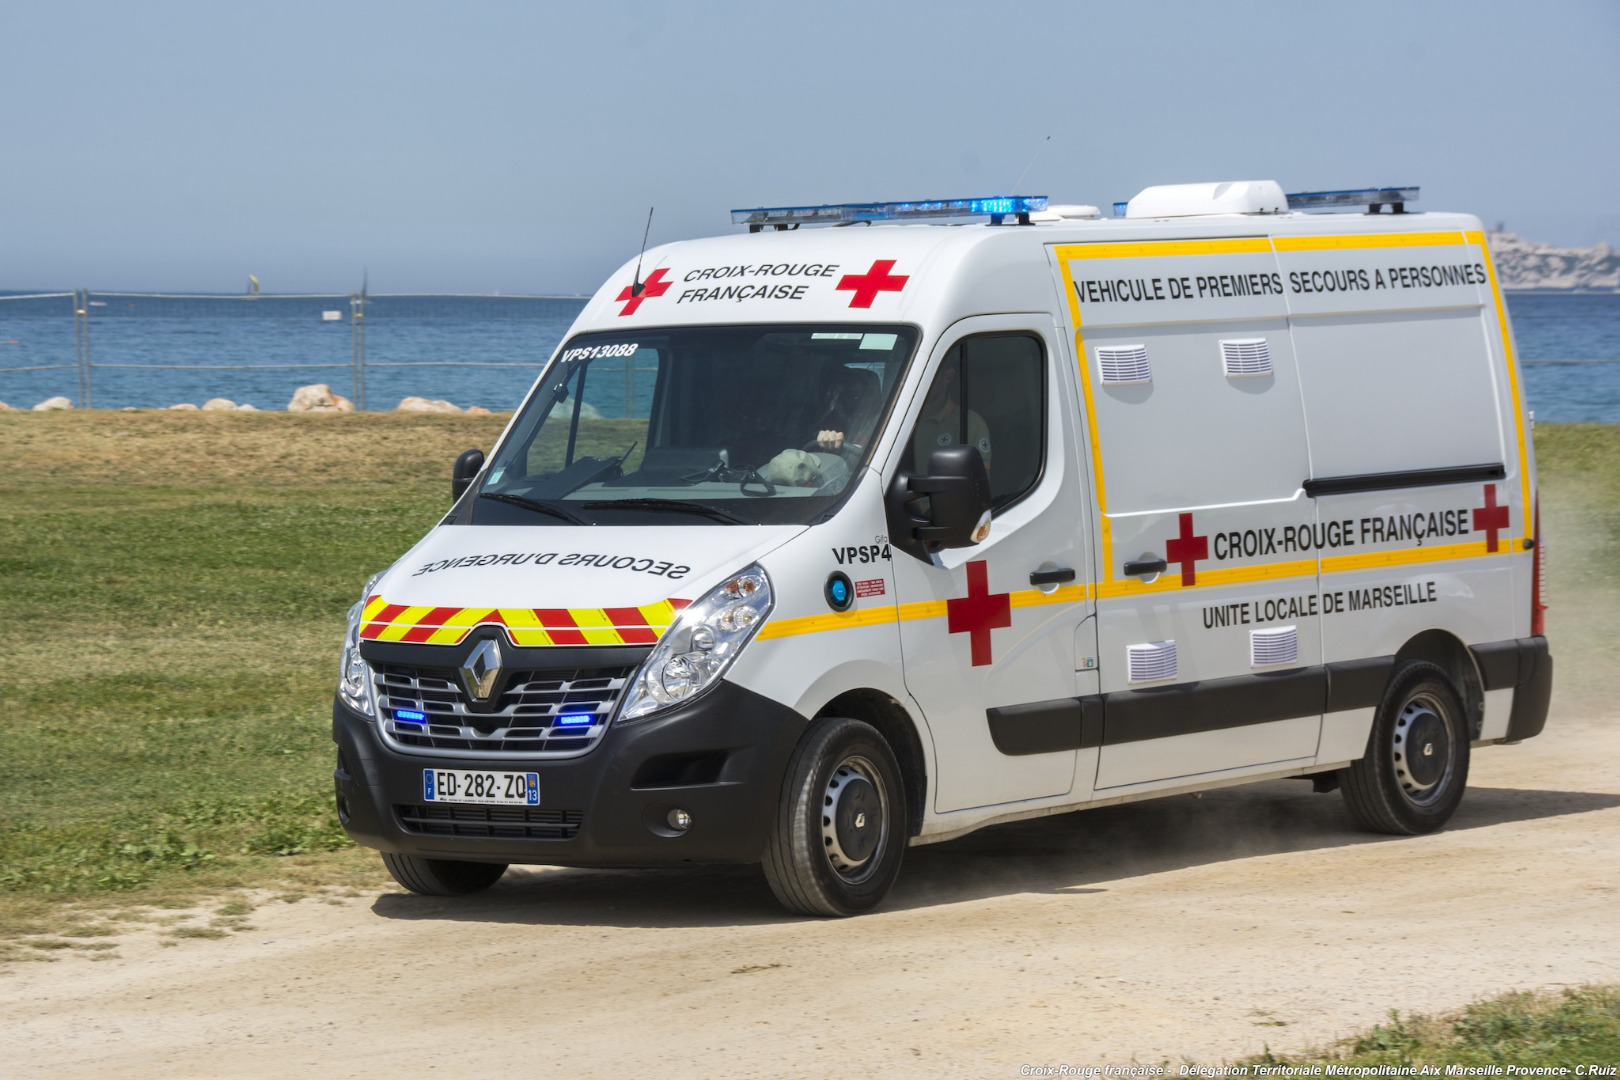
1145 567
1051 577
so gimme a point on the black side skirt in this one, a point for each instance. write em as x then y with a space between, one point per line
1080 723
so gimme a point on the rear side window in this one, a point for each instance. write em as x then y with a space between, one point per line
990 393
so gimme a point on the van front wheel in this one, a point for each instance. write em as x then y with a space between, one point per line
840 826
1416 766
442 877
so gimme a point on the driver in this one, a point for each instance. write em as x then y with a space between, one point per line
849 413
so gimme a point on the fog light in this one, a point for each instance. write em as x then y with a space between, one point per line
680 819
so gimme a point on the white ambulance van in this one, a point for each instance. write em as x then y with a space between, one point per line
813 543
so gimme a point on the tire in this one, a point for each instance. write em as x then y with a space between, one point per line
1416 766
821 859
442 877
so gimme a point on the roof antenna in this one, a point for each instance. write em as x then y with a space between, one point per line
1031 165
638 285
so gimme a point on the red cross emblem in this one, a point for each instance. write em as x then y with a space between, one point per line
1187 549
866 286
655 285
978 613
1492 518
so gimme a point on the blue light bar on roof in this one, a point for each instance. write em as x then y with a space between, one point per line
1372 198
995 206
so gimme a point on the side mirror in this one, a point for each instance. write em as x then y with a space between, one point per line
957 488
465 472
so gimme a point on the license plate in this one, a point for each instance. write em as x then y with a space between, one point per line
476 786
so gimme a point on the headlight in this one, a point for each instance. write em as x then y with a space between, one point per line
697 649
354 674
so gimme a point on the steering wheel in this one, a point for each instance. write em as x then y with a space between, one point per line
752 477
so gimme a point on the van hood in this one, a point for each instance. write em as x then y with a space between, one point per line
553 586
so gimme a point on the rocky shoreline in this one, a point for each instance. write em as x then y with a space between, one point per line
315 398
1527 265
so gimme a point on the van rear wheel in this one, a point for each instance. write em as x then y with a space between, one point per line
442 877
1416 766
840 827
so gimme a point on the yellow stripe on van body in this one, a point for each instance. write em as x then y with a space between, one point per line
1064 594
470 616
529 635
1372 560
834 620
1105 536
595 626
403 623
369 612
1476 237
1368 240
659 616
922 609
1147 249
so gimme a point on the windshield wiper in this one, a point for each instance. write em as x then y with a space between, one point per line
531 504
669 506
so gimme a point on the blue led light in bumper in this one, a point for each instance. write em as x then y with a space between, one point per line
411 715
576 720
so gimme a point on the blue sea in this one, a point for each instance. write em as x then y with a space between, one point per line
151 351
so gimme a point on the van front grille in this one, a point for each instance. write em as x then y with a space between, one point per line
555 712
501 822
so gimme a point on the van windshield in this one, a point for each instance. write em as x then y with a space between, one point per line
696 425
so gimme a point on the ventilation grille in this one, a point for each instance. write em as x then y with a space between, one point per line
1274 645
1245 357
1121 364
508 822
1152 661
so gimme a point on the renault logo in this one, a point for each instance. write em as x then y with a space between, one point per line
481 668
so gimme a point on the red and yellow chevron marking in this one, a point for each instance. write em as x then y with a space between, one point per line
382 621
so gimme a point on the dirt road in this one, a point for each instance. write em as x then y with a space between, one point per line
1188 929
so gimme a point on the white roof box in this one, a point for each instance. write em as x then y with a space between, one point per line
1194 200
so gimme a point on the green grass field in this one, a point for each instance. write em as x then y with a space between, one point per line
174 594
1569 1029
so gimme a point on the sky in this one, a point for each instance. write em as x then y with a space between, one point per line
516 147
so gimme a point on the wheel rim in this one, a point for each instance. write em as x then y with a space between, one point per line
1421 746
855 819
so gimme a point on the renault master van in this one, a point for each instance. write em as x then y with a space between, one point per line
811 543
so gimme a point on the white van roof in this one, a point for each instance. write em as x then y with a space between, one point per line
932 274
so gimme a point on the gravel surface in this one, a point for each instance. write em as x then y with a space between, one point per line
1185 930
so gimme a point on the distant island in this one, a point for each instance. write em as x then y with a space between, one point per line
1525 264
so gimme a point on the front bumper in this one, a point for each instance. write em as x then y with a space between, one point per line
721 758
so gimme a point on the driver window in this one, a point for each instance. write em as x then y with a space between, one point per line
989 392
